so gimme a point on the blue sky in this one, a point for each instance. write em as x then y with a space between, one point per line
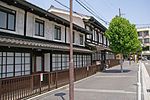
136 11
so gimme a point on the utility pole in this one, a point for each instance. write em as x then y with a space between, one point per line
71 67
119 12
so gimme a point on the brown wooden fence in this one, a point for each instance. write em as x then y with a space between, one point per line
112 62
25 86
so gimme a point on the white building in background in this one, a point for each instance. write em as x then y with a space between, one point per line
144 37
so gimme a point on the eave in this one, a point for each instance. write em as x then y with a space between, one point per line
43 13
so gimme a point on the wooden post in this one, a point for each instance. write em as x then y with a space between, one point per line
56 80
71 67
32 82
0 89
49 81
40 83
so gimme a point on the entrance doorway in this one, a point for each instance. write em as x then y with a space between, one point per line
38 64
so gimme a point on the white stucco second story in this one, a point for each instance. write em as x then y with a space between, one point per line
11 19
32 21
77 17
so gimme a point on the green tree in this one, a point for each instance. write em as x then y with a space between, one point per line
123 37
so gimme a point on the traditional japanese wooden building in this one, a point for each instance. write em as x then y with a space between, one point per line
34 50
96 41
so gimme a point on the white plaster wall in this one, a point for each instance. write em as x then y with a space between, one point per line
76 20
77 37
62 32
48 28
30 31
19 29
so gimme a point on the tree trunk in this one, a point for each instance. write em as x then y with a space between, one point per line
121 63
129 60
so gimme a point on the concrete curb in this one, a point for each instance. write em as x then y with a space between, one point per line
145 82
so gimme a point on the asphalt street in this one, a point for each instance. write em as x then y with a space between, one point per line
147 65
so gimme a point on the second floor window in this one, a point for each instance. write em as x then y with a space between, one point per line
57 33
39 27
146 40
146 33
81 39
73 37
139 33
7 19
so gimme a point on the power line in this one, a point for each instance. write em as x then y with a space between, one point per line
94 9
62 4
90 10
85 7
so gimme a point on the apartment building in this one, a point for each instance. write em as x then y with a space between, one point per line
34 50
144 37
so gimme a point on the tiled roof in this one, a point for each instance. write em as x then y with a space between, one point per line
98 47
18 42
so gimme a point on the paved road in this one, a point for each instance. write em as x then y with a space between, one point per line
108 85
147 65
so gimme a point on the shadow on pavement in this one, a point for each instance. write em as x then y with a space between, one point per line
61 95
116 71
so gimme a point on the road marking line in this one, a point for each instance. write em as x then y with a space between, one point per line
104 91
114 76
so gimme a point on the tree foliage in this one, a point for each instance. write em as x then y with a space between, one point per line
123 36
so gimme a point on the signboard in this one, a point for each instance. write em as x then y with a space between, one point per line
41 77
98 62
87 68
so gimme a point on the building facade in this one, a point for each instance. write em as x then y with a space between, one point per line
96 41
34 50
144 37
37 41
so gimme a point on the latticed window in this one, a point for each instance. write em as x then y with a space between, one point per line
56 62
65 61
14 64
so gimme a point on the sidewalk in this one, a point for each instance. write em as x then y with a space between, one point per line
108 85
